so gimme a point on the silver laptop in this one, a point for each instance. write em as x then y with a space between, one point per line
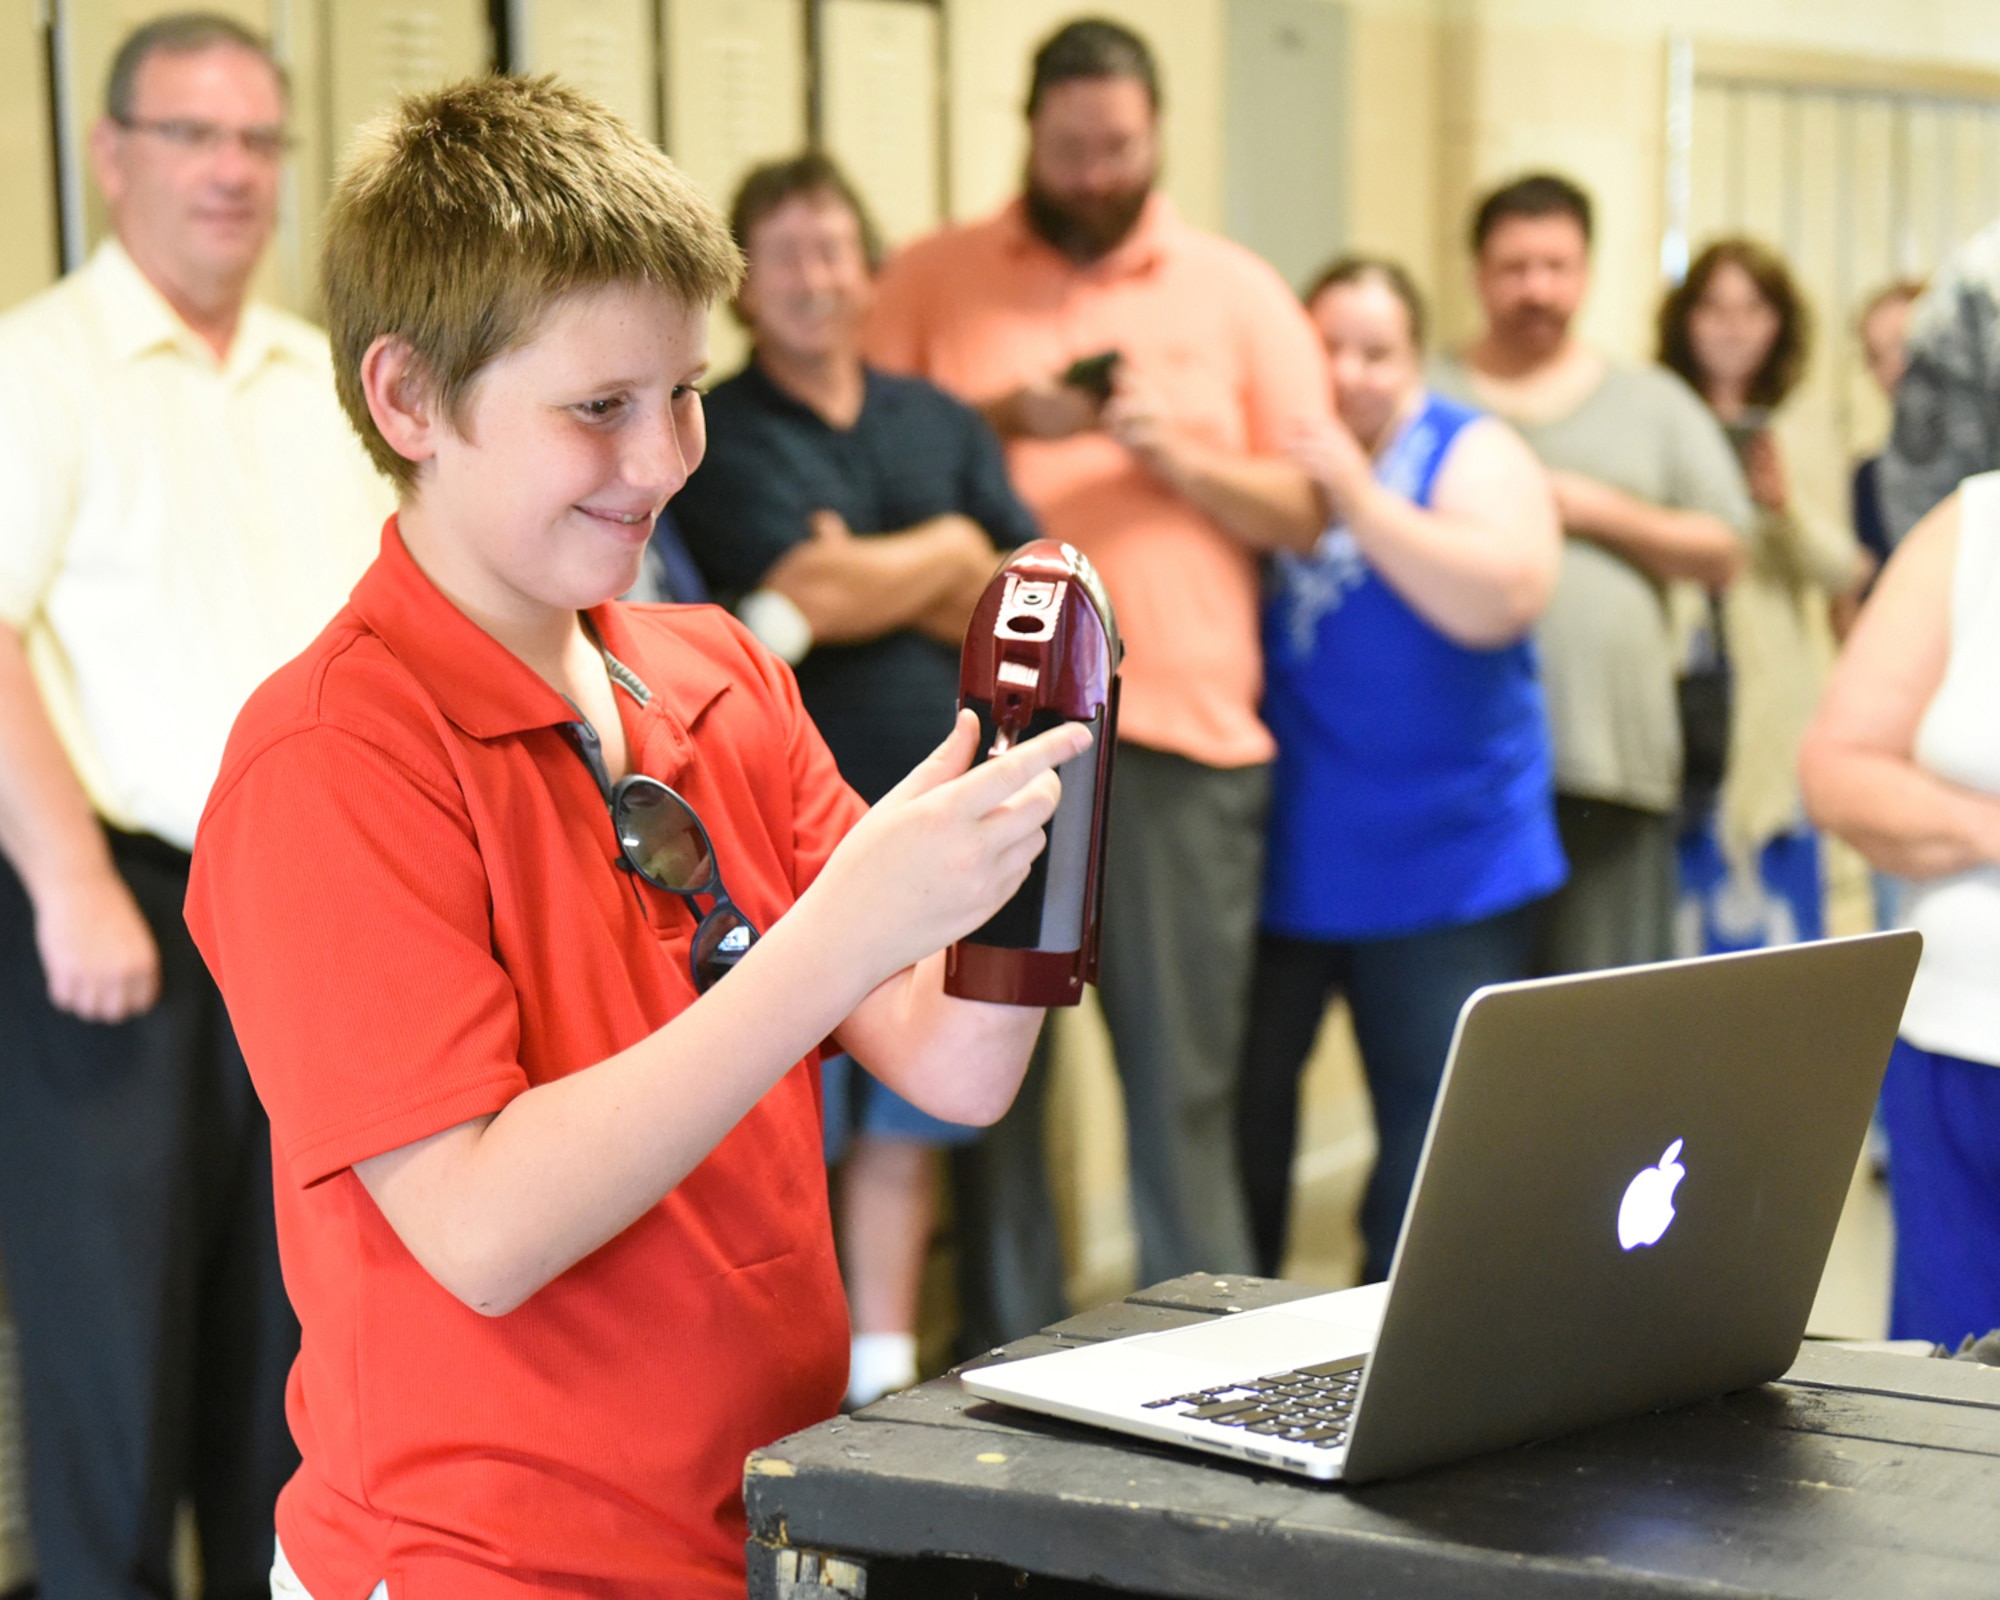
1626 1198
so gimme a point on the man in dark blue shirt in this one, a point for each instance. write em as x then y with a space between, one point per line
853 519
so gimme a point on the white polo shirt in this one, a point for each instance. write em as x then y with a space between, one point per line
172 529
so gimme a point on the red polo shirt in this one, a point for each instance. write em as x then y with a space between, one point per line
404 885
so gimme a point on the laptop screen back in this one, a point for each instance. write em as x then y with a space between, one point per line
1520 1308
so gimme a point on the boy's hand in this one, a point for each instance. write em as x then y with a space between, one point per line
948 846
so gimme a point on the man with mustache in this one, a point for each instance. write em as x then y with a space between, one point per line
1146 377
1650 495
184 508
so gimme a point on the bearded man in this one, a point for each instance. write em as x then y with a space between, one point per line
1145 377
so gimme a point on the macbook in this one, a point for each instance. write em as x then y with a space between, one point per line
1626 1198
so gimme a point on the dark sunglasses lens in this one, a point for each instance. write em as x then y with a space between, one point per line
663 837
720 942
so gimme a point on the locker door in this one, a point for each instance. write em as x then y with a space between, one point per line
30 253
380 49
607 48
735 92
1287 132
880 108
1856 187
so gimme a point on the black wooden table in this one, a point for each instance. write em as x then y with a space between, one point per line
1859 1474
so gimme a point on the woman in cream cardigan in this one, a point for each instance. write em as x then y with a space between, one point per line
1738 330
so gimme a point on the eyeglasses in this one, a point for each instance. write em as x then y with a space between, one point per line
662 840
197 138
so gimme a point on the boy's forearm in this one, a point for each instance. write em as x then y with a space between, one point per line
961 1060
496 1208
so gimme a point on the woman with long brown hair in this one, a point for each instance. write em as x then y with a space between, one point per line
1739 331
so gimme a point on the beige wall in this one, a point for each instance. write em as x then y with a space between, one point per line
1443 96
1451 96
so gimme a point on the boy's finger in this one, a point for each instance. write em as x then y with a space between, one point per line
1029 808
993 781
949 760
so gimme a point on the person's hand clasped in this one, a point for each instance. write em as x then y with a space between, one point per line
950 844
1764 471
1579 500
98 955
1327 451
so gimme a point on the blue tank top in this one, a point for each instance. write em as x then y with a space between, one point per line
1414 787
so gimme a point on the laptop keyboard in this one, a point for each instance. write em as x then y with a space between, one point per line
1309 1405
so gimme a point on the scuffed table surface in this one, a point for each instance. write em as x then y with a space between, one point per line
1858 1474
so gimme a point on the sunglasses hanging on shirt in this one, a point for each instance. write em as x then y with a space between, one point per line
661 838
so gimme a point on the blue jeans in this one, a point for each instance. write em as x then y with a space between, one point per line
858 1104
1405 994
1943 1117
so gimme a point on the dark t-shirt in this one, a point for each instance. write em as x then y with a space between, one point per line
913 453
1869 527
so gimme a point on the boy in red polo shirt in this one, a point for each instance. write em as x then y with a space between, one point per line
549 1192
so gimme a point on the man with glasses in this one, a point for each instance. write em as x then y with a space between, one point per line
182 508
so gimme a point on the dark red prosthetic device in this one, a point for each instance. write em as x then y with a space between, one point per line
1042 649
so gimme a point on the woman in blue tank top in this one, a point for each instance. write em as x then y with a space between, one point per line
1412 813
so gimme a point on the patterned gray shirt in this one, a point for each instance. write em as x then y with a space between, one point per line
1948 405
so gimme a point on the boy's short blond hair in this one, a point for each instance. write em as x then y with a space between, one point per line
462 216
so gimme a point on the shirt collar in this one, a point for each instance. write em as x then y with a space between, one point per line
1139 251
773 396
481 685
139 321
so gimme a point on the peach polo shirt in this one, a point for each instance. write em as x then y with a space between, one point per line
985 308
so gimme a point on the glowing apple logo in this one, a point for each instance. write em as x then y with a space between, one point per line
1649 1201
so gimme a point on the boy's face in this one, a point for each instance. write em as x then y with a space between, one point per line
569 447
